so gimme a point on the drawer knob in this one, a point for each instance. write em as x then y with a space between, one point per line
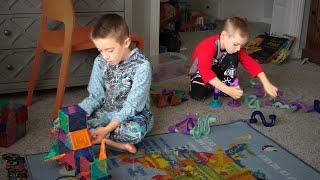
10 67
7 32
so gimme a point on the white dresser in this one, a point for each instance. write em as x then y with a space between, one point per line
19 30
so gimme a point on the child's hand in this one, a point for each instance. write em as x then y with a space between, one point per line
235 92
271 89
268 87
99 134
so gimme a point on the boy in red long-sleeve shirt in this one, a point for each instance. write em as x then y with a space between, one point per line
215 60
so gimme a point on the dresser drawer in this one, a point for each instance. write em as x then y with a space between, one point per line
98 5
19 6
82 19
91 18
80 65
15 65
34 6
19 31
22 31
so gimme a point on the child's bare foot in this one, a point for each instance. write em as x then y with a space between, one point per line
125 146
130 148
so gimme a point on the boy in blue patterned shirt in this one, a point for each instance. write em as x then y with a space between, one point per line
118 102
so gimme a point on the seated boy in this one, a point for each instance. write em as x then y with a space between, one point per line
118 101
215 61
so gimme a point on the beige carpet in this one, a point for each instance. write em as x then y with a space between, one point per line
298 132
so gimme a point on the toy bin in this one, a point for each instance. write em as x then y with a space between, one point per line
13 118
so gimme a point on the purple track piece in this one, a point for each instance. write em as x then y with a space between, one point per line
235 82
302 106
186 125
282 101
259 90
267 101
216 90
279 93
166 92
234 103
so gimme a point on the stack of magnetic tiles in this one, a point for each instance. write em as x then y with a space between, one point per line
13 119
73 146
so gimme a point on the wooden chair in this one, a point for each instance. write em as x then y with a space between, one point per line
61 42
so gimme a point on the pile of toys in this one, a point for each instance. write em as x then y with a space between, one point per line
168 97
258 98
15 166
73 146
194 125
13 118
271 47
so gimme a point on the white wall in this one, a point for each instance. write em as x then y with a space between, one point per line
305 23
210 7
145 23
287 18
140 19
253 10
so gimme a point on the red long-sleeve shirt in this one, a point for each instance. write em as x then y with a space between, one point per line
206 51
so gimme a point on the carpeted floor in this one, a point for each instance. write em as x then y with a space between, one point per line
298 132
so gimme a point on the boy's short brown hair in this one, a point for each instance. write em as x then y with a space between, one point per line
237 24
111 25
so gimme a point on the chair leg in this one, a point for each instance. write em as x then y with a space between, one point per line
65 60
34 74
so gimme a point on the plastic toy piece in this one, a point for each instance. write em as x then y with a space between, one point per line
317 105
272 117
102 154
54 153
168 98
268 101
259 90
72 118
69 160
302 106
85 152
234 103
175 100
98 169
84 168
289 108
163 102
184 126
203 126
215 103
80 139
72 146
252 83
251 101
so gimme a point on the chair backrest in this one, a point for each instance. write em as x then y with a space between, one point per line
60 10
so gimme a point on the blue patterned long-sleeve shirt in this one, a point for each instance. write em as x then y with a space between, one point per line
120 91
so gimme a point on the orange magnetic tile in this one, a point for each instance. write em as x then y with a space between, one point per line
80 139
